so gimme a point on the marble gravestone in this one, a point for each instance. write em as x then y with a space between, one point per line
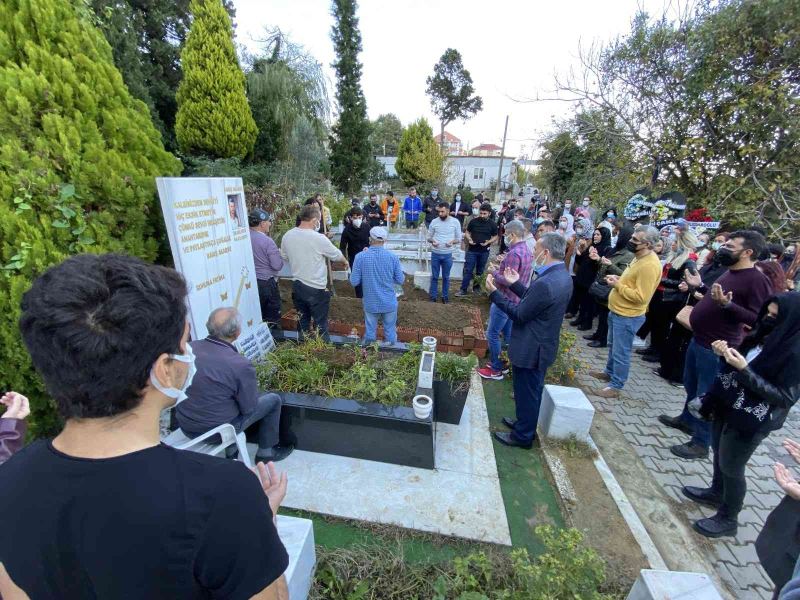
565 412
297 536
673 585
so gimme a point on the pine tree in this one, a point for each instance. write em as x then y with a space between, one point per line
350 151
214 118
78 157
419 159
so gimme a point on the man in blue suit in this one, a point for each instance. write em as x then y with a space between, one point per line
535 334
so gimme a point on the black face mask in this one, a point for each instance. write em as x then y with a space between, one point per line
727 258
632 246
768 324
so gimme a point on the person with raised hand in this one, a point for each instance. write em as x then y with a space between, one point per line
12 424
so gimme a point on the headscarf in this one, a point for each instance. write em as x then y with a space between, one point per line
569 232
781 348
587 229
605 240
623 237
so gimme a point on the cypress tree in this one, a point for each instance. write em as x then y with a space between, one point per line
419 159
78 157
213 117
350 151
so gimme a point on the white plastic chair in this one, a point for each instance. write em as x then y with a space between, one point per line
226 432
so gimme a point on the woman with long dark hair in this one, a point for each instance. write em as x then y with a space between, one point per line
775 273
614 264
587 263
750 398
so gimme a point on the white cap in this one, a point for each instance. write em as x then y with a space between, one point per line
378 233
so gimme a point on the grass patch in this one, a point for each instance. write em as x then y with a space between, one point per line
572 447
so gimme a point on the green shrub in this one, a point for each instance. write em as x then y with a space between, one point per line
78 157
566 365
213 118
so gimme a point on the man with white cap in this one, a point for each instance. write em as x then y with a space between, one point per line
378 270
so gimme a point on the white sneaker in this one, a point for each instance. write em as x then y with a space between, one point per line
639 342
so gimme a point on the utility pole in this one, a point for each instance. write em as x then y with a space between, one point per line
500 168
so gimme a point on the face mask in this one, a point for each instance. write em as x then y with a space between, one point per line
716 246
568 206
458 198
586 203
538 263
507 239
179 394
538 220
357 223
562 224
434 193
475 211
768 324
632 246
579 230
727 258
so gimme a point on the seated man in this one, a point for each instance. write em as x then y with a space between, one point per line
225 389
118 514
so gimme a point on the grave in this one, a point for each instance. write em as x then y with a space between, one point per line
565 412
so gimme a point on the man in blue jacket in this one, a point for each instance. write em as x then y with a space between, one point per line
412 207
535 334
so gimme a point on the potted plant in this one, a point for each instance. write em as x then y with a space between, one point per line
451 385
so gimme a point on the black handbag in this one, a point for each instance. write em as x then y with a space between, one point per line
600 292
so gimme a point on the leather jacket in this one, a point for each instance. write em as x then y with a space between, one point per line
12 437
781 395
673 279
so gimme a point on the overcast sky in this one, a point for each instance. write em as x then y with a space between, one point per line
511 48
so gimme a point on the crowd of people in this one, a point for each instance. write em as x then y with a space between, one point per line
109 336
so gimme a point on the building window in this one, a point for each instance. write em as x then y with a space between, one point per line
477 173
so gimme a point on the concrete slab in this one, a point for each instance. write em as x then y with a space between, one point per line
673 585
461 497
565 412
297 536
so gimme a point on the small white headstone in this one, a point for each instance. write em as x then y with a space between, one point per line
565 412
297 536
673 585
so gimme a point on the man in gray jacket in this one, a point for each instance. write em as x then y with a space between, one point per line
444 236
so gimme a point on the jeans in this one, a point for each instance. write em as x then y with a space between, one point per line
476 261
389 326
528 386
732 451
499 322
443 262
620 345
267 414
270 299
311 303
699 372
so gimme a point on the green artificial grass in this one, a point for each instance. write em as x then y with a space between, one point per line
529 497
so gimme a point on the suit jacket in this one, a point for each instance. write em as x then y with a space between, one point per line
537 318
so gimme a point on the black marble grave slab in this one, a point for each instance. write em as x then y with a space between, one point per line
367 430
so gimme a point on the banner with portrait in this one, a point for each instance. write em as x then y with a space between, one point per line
206 221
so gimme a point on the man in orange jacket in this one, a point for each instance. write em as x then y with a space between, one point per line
390 208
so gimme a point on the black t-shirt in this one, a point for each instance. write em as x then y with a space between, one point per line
157 523
481 230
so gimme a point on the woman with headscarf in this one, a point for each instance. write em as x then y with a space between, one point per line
681 259
614 264
756 386
587 264
583 235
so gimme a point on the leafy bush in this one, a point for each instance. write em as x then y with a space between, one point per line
563 370
566 571
454 369
78 158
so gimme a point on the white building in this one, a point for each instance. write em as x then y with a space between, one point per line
479 172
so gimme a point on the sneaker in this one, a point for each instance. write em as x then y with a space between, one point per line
461 294
488 372
639 342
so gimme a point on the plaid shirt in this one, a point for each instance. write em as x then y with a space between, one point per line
520 259
377 270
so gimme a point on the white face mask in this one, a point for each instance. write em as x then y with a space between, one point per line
476 211
508 240
586 203
579 230
562 224
434 193
536 259
357 222
179 394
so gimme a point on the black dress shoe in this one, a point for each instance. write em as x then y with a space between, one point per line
506 439
574 322
569 316
585 328
675 423
509 422
716 526
598 344
704 496
689 451
644 351
278 453
591 337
